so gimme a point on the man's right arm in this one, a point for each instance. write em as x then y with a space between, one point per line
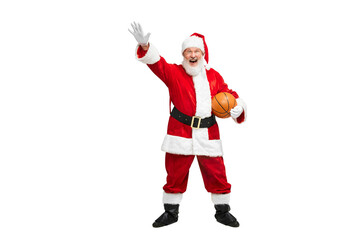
157 64
148 54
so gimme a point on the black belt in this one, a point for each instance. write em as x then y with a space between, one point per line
194 122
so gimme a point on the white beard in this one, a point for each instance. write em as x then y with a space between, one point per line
193 71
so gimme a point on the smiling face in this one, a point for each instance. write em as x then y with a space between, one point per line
192 55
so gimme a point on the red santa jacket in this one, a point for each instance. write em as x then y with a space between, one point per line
191 95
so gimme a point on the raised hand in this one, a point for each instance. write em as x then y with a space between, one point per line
139 34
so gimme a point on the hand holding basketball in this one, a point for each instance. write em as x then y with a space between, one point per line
222 103
236 112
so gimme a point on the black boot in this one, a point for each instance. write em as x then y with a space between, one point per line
223 216
168 217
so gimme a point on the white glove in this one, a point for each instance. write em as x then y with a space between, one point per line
236 112
139 34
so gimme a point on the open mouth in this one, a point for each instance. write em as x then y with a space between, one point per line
193 60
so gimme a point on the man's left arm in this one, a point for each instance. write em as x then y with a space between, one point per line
239 112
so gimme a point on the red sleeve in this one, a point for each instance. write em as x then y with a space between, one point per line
160 68
223 87
163 70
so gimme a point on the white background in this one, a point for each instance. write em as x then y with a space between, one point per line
82 122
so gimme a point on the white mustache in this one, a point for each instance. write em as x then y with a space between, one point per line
193 71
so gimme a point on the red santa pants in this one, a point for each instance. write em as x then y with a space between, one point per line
212 170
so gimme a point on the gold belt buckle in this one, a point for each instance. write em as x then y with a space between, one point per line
192 122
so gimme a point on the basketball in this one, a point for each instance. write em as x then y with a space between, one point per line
222 103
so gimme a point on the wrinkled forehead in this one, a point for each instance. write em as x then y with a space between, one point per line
193 50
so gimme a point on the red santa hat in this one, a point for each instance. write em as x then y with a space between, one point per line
196 40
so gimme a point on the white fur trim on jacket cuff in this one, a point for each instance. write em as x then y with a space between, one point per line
172 198
220 198
241 103
152 55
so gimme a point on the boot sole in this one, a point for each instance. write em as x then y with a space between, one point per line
158 224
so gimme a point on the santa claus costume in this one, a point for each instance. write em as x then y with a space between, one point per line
192 130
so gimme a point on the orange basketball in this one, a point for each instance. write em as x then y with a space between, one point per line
222 103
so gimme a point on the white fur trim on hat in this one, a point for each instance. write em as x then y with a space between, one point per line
193 41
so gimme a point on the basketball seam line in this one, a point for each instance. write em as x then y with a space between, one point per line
222 106
228 103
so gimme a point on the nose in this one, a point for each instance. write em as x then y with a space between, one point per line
192 54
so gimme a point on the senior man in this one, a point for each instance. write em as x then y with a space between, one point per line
192 128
